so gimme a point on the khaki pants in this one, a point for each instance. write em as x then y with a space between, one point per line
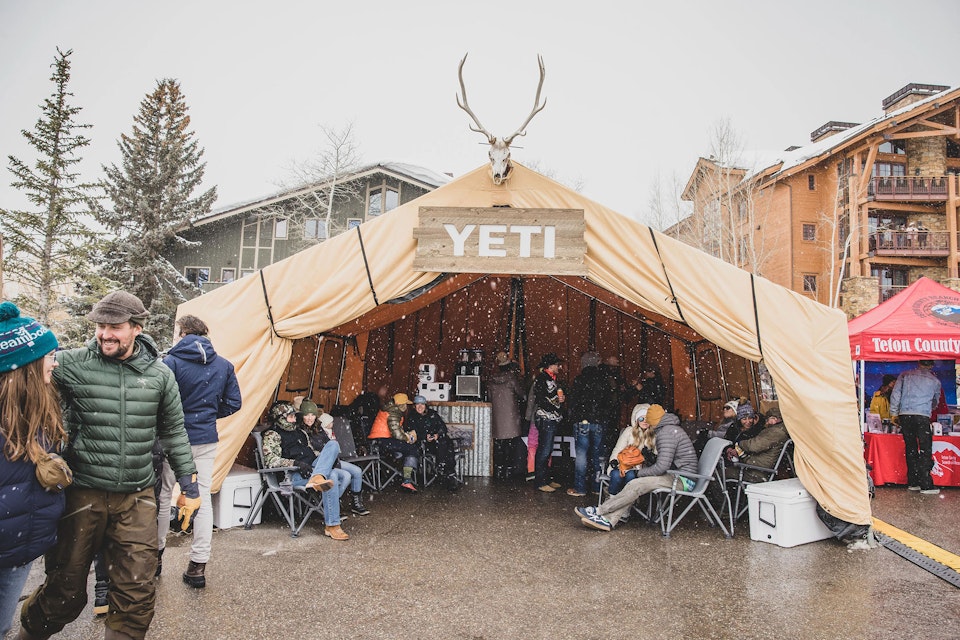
124 526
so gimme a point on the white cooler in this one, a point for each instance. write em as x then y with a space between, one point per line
783 513
233 502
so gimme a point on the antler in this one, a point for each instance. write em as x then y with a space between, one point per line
537 107
463 105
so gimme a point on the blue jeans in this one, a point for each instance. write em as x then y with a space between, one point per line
589 444
617 480
323 465
546 430
356 475
12 580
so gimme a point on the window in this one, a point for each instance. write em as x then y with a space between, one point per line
280 228
895 146
893 280
228 275
742 210
315 228
809 232
810 284
246 272
888 169
353 222
197 276
812 182
382 199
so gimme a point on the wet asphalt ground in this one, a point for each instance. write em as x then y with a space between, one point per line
502 560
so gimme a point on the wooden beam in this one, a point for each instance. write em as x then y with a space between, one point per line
920 134
387 313
868 168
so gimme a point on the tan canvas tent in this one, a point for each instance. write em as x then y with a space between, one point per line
255 320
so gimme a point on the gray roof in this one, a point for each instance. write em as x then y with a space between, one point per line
408 172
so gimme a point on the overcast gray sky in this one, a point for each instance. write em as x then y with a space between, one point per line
632 91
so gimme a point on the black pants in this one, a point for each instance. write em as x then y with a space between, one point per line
918 442
509 457
442 450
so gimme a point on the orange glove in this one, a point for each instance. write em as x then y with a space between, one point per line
895 420
189 500
186 508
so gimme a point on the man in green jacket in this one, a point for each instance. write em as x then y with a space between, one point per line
118 398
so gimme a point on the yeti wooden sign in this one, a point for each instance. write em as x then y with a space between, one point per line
500 240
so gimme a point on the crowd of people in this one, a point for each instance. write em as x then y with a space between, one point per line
118 425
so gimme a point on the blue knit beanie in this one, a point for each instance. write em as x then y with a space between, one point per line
22 339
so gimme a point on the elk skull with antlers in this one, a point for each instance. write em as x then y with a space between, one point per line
500 147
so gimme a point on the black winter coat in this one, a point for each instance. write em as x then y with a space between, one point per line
591 397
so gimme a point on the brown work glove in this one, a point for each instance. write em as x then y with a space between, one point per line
189 500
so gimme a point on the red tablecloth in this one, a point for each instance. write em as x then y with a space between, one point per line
884 451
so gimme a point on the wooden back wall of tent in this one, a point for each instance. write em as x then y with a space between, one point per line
565 315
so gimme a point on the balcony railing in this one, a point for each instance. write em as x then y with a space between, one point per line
887 291
922 188
910 243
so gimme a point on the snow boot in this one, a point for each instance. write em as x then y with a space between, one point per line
193 576
356 504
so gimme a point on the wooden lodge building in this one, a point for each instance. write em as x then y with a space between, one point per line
850 219
237 240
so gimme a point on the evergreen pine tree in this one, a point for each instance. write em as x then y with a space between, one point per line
47 249
151 193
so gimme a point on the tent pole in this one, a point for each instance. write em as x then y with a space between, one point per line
316 362
863 407
696 378
725 394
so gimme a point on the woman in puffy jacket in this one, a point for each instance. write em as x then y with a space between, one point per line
638 434
31 425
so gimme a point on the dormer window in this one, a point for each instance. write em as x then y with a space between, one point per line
381 199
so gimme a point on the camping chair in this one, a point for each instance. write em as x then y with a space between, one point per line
784 463
384 472
709 469
428 462
348 452
428 466
295 504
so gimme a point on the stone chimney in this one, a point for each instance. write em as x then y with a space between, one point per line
909 94
830 128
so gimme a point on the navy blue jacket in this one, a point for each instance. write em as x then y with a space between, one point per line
208 386
28 513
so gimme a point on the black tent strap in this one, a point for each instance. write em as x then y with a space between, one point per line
756 313
266 301
366 266
673 296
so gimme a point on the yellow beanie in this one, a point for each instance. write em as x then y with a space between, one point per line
654 414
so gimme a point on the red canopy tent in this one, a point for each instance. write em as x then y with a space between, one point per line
922 322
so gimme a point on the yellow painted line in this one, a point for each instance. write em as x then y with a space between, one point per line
919 545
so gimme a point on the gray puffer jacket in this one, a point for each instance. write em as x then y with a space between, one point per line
674 449
113 412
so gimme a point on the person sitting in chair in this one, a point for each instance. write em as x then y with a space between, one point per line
635 434
674 452
432 431
388 431
746 426
763 449
285 444
321 432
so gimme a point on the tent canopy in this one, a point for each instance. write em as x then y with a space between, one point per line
922 322
255 319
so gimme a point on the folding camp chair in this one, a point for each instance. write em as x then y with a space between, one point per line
709 469
295 504
784 463
384 472
369 464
